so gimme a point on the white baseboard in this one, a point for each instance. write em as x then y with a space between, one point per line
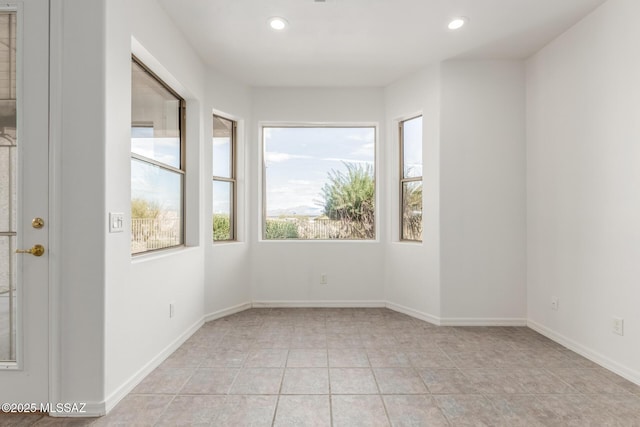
456 321
414 313
89 409
482 321
112 400
227 311
318 304
594 356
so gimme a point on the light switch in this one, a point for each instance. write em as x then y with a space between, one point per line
116 222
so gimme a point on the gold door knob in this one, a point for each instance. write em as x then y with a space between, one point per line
36 250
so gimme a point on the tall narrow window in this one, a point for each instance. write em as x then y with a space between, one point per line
411 179
157 162
224 179
9 193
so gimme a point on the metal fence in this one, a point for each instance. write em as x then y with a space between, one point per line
154 233
327 229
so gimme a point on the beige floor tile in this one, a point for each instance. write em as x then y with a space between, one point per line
469 410
446 381
388 358
523 410
19 419
307 358
192 411
164 380
352 381
236 369
302 410
348 358
258 381
136 409
210 381
267 358
223 358
399 381
358 410
252 411
414 410
305 381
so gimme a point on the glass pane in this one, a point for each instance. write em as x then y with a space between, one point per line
412 147
222 210
320 182
155 119
156 207
8 188
222 147
7 298
412 210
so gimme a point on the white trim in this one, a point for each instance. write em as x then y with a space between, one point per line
227 312
594 356
90 410
318 304
112 400
55 191
482 321
414 313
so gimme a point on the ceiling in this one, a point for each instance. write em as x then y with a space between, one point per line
363 42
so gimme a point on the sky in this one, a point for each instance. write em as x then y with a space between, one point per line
149 182
298 161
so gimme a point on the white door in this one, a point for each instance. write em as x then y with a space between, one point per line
24 192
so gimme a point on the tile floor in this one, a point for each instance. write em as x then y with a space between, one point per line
368 367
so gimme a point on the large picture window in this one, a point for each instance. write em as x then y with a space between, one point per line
319 182
224 179
411 179
157 163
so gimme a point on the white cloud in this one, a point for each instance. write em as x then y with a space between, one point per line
275 157
342 160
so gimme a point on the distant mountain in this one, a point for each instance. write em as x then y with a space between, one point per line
296 210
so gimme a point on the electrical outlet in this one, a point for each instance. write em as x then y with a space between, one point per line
618 325
555 302
172 310
323 279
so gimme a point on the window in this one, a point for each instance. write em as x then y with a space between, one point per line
319 183
157 163
224 179
411 179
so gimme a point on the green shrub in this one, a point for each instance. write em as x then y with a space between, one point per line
281 230
221 227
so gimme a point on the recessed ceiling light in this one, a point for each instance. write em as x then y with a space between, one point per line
457 23
278 23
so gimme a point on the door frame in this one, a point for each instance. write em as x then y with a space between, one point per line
55 195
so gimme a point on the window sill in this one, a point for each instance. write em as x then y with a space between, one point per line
161 253
318 241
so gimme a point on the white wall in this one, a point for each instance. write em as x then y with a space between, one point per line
138 291
79 198
412 270
290 271
583 128
482 192
228 265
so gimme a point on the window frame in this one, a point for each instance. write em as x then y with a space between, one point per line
404 180
263 175
182 121
232 180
